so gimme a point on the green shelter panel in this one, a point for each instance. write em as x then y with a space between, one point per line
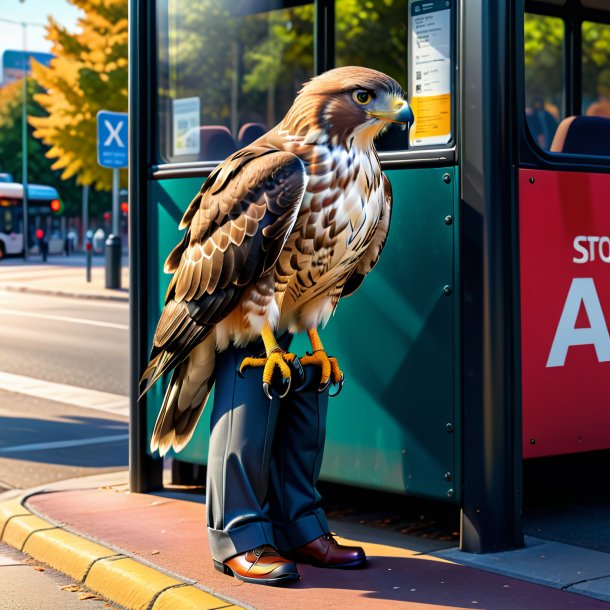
394 338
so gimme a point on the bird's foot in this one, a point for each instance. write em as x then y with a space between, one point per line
278 359
329 367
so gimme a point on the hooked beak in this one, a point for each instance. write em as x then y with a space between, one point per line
400 113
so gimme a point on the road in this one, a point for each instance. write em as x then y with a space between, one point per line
81 342
50 432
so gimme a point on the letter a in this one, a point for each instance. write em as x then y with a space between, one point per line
582 289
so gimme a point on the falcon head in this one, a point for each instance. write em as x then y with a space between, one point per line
349 106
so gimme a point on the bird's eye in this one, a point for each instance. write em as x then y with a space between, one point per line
362 97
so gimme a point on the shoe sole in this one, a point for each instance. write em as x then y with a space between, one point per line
274 582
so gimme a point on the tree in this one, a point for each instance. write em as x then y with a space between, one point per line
544 49
247 65
88 74
39 166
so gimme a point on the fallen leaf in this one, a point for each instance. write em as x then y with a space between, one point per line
71 588
83 596
38 569
155 552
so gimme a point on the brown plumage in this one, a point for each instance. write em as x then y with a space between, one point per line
277 234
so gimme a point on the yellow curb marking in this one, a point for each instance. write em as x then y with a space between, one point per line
127 582
66 552
190 597
9 510
116 577
19 528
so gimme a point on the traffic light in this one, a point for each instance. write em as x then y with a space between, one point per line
124 199
55 206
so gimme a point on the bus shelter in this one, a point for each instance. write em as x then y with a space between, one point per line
465 306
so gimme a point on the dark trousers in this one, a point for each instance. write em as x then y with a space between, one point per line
264 461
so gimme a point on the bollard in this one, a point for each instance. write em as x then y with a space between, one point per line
89 250
113 261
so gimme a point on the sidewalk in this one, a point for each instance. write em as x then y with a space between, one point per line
62 276
151 551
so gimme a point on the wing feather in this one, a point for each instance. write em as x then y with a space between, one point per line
236 228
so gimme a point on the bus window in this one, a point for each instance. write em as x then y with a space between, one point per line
7 221
544 87
595 69
228 72
373 33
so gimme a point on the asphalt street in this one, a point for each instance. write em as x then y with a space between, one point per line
83 345
80 342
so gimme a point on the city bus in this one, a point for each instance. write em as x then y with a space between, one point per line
44 203
492 296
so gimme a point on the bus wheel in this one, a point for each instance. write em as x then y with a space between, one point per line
2 250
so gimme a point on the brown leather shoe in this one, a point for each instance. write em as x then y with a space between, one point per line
326 552
262 565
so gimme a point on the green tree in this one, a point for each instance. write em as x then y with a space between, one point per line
39 166
246 65
544 50
88 74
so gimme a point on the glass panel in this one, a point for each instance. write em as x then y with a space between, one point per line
228 71
544 87
373 33
596 69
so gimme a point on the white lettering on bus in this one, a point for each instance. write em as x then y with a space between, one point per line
582 291
596 245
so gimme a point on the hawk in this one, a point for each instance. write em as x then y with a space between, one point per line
277 235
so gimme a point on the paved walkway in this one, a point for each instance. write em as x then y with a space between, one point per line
151 550
63 276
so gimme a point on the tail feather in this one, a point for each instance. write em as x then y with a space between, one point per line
156 367
185 398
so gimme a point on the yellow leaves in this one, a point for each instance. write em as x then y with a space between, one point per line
97 57
88 74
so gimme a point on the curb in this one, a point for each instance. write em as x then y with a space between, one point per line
67 293
114 575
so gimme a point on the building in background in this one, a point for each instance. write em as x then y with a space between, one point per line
12 63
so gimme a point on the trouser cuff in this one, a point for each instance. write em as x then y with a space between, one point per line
224 545
290 536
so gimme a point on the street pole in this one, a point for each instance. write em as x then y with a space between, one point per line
24 142
85 214
115 201
113 243
24 124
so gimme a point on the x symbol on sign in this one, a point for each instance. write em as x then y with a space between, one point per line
114 133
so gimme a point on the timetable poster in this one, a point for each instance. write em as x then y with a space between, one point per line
430 72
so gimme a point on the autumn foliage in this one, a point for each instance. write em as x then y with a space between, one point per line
88 74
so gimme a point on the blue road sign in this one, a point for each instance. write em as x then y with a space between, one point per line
112 139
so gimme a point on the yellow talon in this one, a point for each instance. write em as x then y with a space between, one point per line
276 358
329 366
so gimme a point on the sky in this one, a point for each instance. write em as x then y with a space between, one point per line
36 12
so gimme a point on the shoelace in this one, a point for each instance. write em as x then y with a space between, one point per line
330 537
266 550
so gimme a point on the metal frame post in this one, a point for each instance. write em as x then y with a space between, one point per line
145 472
491 510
